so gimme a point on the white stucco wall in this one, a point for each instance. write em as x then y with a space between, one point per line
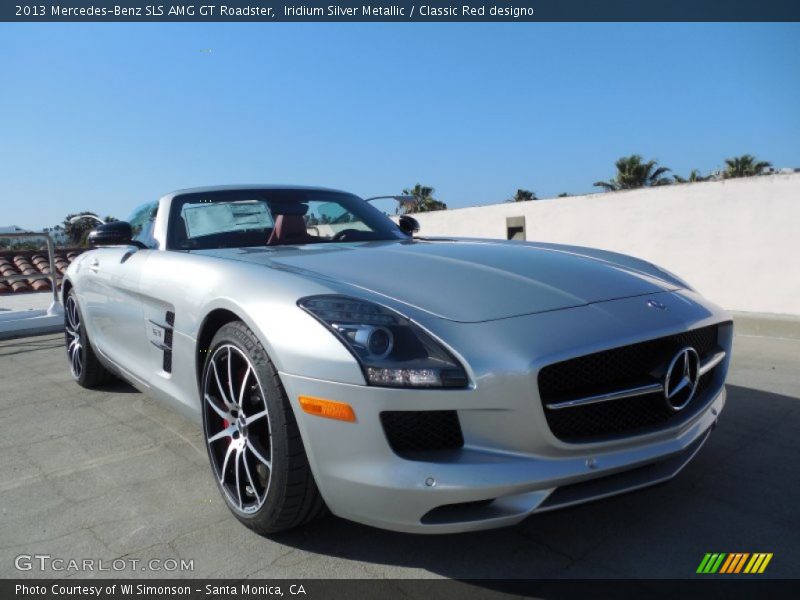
736 241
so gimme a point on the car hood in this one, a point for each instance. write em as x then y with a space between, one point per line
468 280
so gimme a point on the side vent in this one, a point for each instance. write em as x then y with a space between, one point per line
167 362
161 336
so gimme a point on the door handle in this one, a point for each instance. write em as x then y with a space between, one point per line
94 265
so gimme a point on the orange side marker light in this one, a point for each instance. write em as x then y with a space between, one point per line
328 409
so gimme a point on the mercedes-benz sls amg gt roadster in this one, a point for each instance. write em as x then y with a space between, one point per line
337 361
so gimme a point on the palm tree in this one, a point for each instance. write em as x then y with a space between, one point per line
78 230
633 173
744 166
423 201
523 196
694 177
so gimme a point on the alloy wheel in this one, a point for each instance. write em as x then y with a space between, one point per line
237 428
72 333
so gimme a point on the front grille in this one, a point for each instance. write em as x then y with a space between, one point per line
621 368
421 431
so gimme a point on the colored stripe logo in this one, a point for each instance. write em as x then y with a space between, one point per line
734 563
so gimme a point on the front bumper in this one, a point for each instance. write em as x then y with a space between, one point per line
511 464
361 479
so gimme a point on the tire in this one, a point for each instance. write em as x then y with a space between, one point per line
257 456
84 365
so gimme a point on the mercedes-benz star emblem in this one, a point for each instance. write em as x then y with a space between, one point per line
680 382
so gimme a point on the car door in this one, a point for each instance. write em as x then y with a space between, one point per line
113 299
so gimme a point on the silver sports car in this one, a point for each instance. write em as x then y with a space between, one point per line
336 361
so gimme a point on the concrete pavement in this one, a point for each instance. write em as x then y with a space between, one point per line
112 474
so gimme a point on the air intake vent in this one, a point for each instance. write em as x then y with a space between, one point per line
167 363
422 431
169 317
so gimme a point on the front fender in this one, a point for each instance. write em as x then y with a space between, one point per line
296 343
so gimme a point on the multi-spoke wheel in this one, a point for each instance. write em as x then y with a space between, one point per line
83 364
237 428
72 332
253 443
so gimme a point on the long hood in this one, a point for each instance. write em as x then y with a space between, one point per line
468 281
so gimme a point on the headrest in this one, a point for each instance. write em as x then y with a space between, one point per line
288 208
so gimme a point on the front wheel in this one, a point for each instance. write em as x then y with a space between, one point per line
254 446
84 366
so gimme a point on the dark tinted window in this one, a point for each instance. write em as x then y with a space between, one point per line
274 217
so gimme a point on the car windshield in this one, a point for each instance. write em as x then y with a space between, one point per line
274 217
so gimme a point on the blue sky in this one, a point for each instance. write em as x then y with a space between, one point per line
105 116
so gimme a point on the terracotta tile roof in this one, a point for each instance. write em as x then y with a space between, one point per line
35 264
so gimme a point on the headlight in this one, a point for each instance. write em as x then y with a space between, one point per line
392 351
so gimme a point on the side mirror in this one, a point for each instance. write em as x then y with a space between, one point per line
116 233
408 225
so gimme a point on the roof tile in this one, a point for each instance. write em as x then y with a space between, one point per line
36 264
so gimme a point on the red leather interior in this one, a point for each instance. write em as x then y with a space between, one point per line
289 229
